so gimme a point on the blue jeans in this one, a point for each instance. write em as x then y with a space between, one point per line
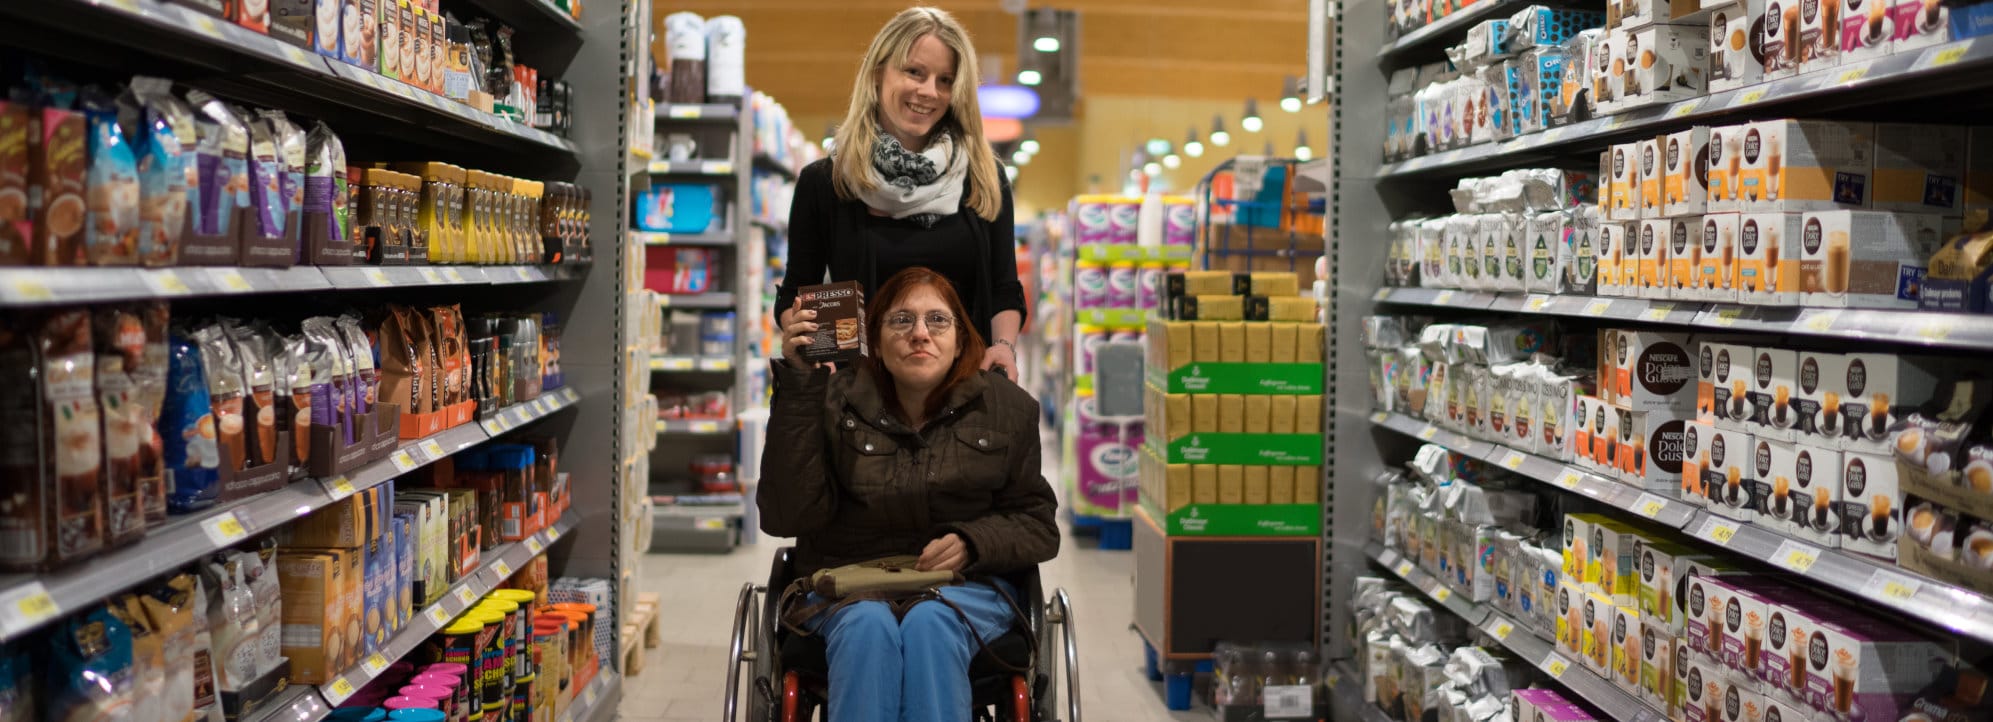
914 669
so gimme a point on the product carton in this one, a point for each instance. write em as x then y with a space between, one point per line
1919 168
1685 175
1779 28
1807 165
1636 14
1866 31
840 309
1556 400
1774 375
1742 617
1653 371
1655 264
1919 24
1597 614
314 612
1867 667
1702 685
1740 700
1871 508
1815 507
1736 47
1771 467
1658 582
1716 258
1623 186
1819 34
1726 168
1768 259
1865 259
1547 252
1729 474
1547 706
1609 255
1657 668
1612 565
1204 484
1684 251
1581 257
1696 436
1579 436
1782 664
1669 63
1607 421
1626 649
1568 606
1653 445
1650 169
1878 389
1723 379
1612 54
1818 398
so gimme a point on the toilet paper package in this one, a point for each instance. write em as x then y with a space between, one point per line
1090 220
726 59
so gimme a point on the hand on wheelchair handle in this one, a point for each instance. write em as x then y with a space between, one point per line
948 553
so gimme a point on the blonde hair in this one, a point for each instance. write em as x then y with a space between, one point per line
852 155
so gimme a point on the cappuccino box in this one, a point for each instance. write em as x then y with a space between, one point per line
1669 63
1877 389
1625 648
1706 599
1746 609
1647 154
1919 24
1771 466
1774 375
1685 172
1782 662
1651 250
1866 32
1716 269
1768 259
1654 371
1781 710
1813 500
1865 259
1778 30
1819 34
1684 254
840 308
1871 509
1623 182
1657 582
1723 378
1726 168
1739 700
1807 165
1818 398
1597 613
1725 459
1919 168
1657 668
1735 46
1548 706
1695 684
1854 664
1611 254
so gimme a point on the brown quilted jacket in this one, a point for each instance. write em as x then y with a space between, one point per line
852 483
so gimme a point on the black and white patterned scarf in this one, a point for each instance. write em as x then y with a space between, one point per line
923 187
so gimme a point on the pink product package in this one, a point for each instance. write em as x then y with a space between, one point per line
1089 286
1090 342
1148 286
1179 223
1123 218
1106 450
1091 223
1863 668
1121 285
1547 705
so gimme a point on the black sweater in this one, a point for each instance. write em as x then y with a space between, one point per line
841 236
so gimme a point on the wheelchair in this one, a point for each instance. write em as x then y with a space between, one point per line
788 671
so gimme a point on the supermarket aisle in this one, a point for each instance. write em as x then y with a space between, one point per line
682 680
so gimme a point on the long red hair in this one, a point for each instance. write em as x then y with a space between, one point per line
969 343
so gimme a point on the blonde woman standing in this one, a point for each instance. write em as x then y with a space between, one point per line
912 182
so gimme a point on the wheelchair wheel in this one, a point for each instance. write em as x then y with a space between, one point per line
752 645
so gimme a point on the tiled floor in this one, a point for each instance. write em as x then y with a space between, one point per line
684 678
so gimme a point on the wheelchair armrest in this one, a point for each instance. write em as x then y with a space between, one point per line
1030 596
781 571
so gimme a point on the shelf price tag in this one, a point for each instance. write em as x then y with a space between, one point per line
432 448
1513 460
1727 317
454 275
503 569
492 428
1852 75
1650 506
429 275
1427 433
25 606
204 25
1795 556
1286 701
1555 664
1404 569
1819 322
1718 530
165 282
523 273
403 461
467 595
1381 294
588 698
438 615
1748 97
716 167
338 691
684 111
376 277
553 534
1684 108
224 530
231 280
1536 303
1568 479
1440 593
1657 312
29 290
533 545
1379 417
705 427
1890 586
1943 56
1597 307
374 665
1501 630
338 487
1442 298
1935 329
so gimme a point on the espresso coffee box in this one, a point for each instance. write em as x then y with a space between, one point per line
1716 258
1919 168
1813 499
1878 389
1819 34
1736 45
1684 252
1871 508
1818 398
1865 259
1779 29
1696 436
1723 384
1654 371
1727 461
1918 24
840 335
1774 376
1865 32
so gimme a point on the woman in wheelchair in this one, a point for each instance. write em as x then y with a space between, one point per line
912 451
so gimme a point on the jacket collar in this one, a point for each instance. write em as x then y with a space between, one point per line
863 397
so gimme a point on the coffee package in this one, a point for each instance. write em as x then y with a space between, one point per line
111 188
1866 259
1649 171
326 214
1768 258
224 149
193 457
1819 34
1667 63
1623 188
1736 45
1807 165
1781 37
1728 463
1817 398
119 335
166 142
58 170
1656 258
1726 168
1880 389
1865 32
840 318
1813 505
1774 376
55 468
1716 258
1919 168
1919 24
16 229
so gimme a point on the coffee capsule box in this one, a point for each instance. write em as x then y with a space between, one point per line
1878 389
1577 546
1654 371
1697 680
1612 564
1747 603
1696 436
1684 247
1598 611
1585 410
1778 28
1918 24
1625 649
1774 376
1807 165
1657 668
1871 510
1669 63
1610 256
1865 259
1768 259
1655 449
1716 273
1727 461
1707 600
1622 173
1866 31
1859 666
1547 252
1568 606
1817 398
1740 701
1726 168
1736 48
1658 582
1650 168
1819 34
1771 465
1723 381
1619 94
1919 168
1651 250
1812 509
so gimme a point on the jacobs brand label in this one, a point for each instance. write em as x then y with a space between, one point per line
1665 368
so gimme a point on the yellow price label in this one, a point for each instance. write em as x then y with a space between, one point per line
685 111
718 167
166 283
1404 569
377 277
504 570
1441 594
1597 307
432 448
403 461
1442 298
1853 74
375 664
339 690
1949 56
1750 96
454 275
1891 586
29 605
466 595
1898 591
204 25
677 364
1658 311
1381 294
438 615
533 545
1936 329
232 280
1727 317
553 534
225 529
1568 479
429 275
28 289
1379 417
1797 557
1427 433
492 427
1684 108
1536 303
1552 135
1821 322
1513 460
705 427
1503 630
339 487
1556 665
1719 530
1652 508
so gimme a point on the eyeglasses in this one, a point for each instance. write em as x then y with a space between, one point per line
938 323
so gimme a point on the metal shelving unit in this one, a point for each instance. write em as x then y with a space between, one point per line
1369 194
650 238
49 286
